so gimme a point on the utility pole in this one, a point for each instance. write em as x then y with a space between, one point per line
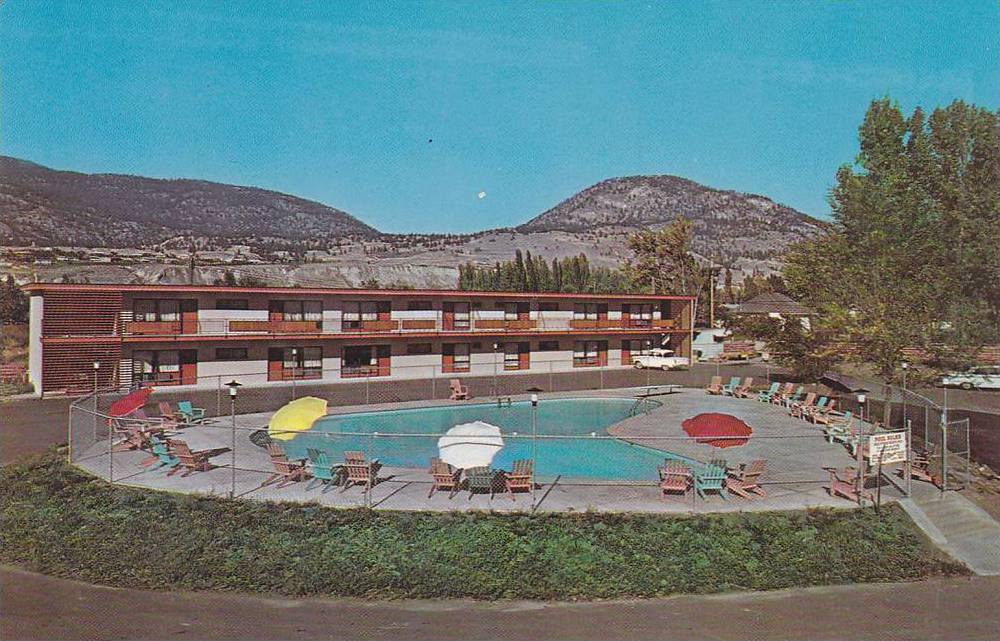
711 293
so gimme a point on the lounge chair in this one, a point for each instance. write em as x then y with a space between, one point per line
155 422
745 388
825 408
359 471
444 477
783 392
804 411
925 466
459 392
796 408
481 479
190 413
746 479
285 470
842 419
729 389
521 479
674 477
714 386
711 478
323 471
764 396
168 412
847 485
163 455
133 437
794 397
191 460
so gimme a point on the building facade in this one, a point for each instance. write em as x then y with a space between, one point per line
127 335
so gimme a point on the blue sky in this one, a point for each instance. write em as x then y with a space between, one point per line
529 102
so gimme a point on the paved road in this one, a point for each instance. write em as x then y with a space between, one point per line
31 426
37 606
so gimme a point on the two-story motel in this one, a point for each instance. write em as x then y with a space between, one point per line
126 335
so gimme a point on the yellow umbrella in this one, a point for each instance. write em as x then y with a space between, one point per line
297 416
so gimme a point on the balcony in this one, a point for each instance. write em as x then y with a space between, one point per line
275 326
153 328
502 324
383 325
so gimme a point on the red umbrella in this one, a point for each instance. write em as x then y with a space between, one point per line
717 430
128 404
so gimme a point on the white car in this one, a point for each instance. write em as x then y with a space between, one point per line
660 359
987 377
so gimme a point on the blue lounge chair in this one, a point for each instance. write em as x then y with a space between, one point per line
327 473
794 398
163 455
730 388
765 395
711 477
190 413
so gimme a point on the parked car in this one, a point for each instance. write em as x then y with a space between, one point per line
660 358
985 377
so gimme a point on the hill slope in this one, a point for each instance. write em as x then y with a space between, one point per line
50 207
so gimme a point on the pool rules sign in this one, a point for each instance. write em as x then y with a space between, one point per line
888 447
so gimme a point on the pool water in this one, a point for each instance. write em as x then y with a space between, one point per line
583 458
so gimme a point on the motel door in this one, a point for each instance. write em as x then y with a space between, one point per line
189 366
189 316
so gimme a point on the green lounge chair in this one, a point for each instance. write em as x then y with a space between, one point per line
190 413
481 479
765 395
795 397
839 430
323 471
163 455
711 477
730 388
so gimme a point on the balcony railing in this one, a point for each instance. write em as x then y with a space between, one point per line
275 326
153 328
505 324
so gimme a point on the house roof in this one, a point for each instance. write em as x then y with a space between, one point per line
773 303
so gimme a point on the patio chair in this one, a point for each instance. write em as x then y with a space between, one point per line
925 466
764 396
191 460
847 485
359 471
521 479
811 413
804 411
730 388
444 477
746 479
155 422
842 419
745 388
322 470
133 438
459 392
162 455
286 470
168 412
795 408
778 398
794 397
190 413
481 479
711 477
714 386
674 477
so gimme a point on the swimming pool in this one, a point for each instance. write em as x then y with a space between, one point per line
584 458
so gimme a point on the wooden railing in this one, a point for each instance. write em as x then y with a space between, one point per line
499 323
155 328
275 326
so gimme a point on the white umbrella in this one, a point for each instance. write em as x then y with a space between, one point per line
470 445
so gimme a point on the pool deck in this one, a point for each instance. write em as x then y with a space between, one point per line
796 453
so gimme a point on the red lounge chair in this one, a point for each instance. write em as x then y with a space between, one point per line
746 479
715 386
519 480
847 485
813 412
675 477
285 469
190 460
444 476
168 412
358 471
745 388
798 409
783 392
459 392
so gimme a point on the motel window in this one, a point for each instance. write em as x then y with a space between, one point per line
302 310
515 355
365 360
640 315
156 366
548 346
231 353
305 360
455 357
638 347
585 311
419 305
509 310
585 353
458 313
414 349
156 310
356 313
548 307
232 303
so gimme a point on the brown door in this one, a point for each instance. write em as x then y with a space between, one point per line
382 354
275 364
189 366
384 310
602 353
626 312
189 316
448 316
275 310
626 352
447 358
524 355
523 311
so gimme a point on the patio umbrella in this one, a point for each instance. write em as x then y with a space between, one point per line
294 417
130 403
717 430
470 445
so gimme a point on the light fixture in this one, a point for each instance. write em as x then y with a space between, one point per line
534 400
233 385
97 365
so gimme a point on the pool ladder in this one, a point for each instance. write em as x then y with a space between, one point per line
504 399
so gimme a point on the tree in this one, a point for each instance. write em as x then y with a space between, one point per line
662 261
13 302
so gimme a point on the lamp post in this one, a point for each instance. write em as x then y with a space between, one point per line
905 367
534 442
496 386
97 367
233 386
861 398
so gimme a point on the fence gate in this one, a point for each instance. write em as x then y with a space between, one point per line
955 455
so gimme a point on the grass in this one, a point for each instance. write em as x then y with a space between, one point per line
61 521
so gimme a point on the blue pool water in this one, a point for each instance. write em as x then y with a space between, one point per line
585 458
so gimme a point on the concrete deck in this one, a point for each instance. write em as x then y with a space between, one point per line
796 452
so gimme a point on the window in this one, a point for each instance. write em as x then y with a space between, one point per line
585 353
455 357
639 347
548 307
356 313
548 346
515 355
640 315
509 310
156 366
365 360
414 349
302 310
232 303
419 305
231 353
144 310
456 315
585 311
156 310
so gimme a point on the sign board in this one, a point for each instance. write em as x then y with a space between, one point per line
890 446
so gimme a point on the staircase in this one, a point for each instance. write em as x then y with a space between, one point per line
959 527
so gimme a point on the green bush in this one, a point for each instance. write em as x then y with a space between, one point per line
60 521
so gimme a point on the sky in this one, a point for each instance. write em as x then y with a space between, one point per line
461 116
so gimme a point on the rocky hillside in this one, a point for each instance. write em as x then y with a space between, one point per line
48 207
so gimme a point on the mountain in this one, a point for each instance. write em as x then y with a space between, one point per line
728 225
49 207
745 232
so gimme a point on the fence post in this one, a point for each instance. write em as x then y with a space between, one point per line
293 385
909 456
111 450
551 367
433 381
218 395
944 455
368 381
371 476
927 420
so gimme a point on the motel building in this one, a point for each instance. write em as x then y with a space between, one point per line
183 335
